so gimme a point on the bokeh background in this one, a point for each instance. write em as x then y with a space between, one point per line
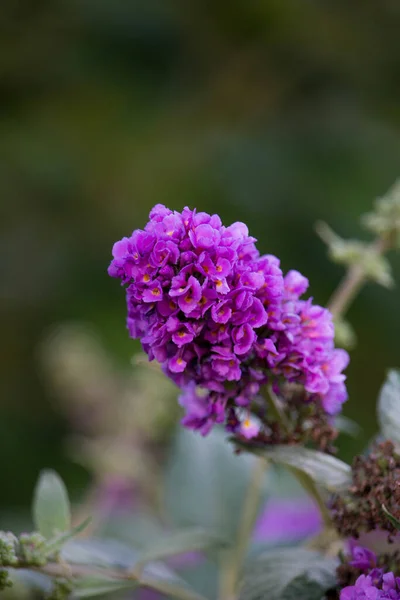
277 113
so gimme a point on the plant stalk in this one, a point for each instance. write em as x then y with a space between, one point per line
353 281
231 570
305 481
73 572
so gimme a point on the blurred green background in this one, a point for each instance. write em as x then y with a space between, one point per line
274 112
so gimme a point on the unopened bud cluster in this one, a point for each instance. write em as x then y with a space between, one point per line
8 549
32 550
385 219
375 484
345 336
306 424
28 550
354 252
62 589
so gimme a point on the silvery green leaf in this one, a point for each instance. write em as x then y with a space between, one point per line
180 542
117 556
289 574
325 470
206 483
26 581
88 587
56 543
139 529
308 586
158 576
179 590
51 507
103 553
348 426
389 407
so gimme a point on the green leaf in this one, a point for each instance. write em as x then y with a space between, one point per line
389 407
102 553
325 470
116 556
290 574
158 576
394 521
51 507
308 586
348 426
26 581
87 587
179 542
139 529
206 483
56 543
310 487
175 587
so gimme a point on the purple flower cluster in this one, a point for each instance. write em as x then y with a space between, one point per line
377 585
222 320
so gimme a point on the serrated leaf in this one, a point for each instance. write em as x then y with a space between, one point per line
88 587
290 574
325 470
389 407
51 506
180 542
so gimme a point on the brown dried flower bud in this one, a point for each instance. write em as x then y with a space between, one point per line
376 482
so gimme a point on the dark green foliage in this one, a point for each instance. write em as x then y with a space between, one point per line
293 574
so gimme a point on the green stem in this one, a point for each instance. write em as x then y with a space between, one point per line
309 486
230 573
273 404
354 280
76 572
305 481
69 570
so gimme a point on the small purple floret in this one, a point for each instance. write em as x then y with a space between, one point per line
377 585
362 558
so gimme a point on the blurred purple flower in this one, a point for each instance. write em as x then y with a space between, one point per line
115 494
286 519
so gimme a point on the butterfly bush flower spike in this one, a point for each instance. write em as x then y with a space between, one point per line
223 320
